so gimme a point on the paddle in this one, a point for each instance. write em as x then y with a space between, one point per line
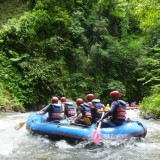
21 124
95 135
87 120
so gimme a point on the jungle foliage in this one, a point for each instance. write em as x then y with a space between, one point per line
74 47
150 107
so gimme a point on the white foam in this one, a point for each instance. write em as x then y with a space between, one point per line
63 144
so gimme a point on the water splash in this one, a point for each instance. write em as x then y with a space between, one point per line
20 144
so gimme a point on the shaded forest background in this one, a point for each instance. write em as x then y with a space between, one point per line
75 47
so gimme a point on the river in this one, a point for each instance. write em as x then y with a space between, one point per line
20 145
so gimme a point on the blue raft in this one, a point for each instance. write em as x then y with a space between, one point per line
62 130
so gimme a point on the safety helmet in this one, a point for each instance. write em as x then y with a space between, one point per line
63 99
79 101
114 94
54 100
90 97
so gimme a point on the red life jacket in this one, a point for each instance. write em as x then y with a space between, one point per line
69 110
121 110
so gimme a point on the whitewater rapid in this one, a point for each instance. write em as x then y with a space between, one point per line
19 144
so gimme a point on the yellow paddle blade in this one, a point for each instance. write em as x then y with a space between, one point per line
87 120
19 126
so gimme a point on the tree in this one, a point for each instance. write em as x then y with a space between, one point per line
147 12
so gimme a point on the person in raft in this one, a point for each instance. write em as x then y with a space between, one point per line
96 107
116 113
67 108
54 110
83 111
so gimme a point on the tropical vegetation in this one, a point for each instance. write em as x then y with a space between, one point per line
74 47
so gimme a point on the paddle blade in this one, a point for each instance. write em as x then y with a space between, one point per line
19 126
87 120
95 137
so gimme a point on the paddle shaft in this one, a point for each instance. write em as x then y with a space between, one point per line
44 108
22 123
36 114
99 125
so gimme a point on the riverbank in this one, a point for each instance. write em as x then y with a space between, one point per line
9 103
10 109
150 107
6 108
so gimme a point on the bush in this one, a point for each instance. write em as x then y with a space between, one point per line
151 105
10 102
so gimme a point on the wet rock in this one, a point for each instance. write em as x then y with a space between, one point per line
150 115
4 108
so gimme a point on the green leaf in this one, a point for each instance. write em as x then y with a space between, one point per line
16 59
23 64
1 41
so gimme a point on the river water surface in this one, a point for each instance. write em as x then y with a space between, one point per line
20 145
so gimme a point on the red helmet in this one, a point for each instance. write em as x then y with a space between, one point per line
114 94
54 100
79 101
90 97
63 99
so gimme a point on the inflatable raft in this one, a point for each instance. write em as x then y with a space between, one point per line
62 130
130 108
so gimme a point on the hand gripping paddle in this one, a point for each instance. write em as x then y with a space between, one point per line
95 135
